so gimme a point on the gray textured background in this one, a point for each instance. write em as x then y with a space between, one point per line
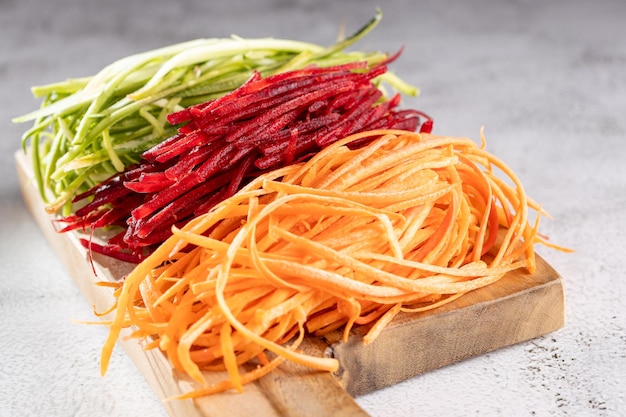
546 79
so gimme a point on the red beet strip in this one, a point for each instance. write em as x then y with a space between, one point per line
221 144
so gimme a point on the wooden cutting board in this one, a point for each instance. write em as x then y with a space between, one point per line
517 308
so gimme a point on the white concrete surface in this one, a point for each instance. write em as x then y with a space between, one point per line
546 79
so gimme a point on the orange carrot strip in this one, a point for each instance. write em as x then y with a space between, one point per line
354 236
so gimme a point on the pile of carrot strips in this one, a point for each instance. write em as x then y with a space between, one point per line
352 237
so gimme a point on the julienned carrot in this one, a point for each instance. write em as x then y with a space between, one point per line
352 237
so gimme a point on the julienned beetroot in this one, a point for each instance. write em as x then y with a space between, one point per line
265 124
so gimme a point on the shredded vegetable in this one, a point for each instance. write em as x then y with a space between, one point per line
352 237
264 124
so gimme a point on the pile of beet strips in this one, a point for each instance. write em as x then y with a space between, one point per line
265 124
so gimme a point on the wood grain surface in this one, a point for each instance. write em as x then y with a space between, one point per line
518 307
